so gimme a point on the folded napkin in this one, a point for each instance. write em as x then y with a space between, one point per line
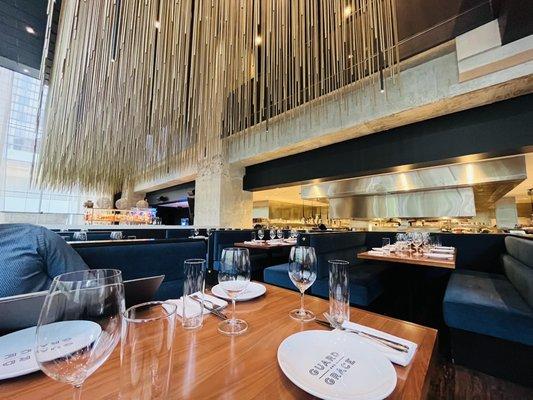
397 357
378 249
252 242
443 256
194 306
442 249
376 252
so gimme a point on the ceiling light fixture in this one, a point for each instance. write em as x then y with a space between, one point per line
258 40
157 25
25 70
29 29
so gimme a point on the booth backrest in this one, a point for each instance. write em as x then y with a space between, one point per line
178 233
223 239
518 266
137 260
334 246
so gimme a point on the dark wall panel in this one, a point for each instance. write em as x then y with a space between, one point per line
502 128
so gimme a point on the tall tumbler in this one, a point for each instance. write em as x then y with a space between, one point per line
193 293
146 351
339 292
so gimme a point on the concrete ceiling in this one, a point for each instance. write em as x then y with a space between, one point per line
22 32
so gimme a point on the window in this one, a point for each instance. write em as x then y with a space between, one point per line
19 102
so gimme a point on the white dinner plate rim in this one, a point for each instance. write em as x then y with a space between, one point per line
29 369
261 290
386 392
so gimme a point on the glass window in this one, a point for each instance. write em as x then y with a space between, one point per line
19 102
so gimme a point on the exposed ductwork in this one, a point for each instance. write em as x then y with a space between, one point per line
447 191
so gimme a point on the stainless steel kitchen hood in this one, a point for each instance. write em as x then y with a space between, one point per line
430 203
445 191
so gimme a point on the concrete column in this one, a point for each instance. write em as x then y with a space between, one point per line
219 198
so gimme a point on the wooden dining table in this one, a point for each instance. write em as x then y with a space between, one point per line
209 365
265 245
420 260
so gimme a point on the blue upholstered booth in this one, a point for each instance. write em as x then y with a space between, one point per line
178 233
367 279
221 239
141 259
491 315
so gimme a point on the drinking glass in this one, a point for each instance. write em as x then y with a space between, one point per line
196 232
253 236
418 240
385 245
260 234
272 233
193 293
234 276
302 272
116 235
80 236
294 233
279 234
339 292
146 350
79 325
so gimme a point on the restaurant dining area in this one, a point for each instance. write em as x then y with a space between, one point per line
266 199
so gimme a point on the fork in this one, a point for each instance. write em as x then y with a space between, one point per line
213 310
385 342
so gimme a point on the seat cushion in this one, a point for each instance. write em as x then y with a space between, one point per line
488 304
366 283
278 275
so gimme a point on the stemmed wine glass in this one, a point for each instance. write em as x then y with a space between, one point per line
302 272
279 234
272 233
260 234
418 240
79 325
234 276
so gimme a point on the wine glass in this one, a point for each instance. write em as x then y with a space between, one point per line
80 236
272 233
79 325
418 240
234 276
260 234
294 233
302 272
279 234
196 232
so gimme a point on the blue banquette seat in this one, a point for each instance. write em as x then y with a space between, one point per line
490 315
143 259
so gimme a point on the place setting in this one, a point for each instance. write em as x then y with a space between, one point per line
350 361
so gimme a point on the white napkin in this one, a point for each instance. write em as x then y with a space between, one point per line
195 307
378 249
443 256
251 242
397 357
443 249
376 252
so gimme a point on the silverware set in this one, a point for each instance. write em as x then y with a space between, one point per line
210 306
385 342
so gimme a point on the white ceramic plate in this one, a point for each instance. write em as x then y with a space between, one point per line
17 356
336 366
253 290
